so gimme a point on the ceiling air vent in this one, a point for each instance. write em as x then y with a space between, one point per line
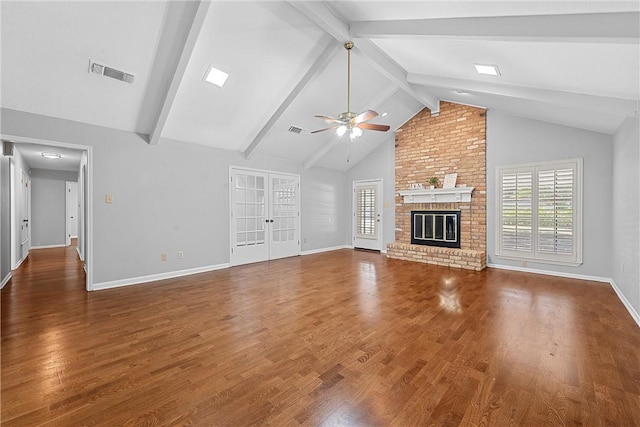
103 70
295 129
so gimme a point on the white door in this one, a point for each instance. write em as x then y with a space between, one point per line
249 204
367 215
284 216
265 222
25 213
72 210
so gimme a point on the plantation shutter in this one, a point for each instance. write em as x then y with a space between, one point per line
540 212
517 189
366 210
555 211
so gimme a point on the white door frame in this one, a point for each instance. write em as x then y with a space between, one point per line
379 244
89 206
12 212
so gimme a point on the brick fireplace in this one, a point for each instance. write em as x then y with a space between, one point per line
426 146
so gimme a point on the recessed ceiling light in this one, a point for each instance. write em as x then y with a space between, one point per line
215 76
490 70
461 92
51 155
384 114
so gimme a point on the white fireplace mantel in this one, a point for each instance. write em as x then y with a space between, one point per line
438 195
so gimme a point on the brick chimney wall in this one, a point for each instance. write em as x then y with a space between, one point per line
426 146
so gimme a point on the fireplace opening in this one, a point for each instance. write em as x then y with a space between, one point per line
435 228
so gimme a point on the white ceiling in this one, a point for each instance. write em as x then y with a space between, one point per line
574 63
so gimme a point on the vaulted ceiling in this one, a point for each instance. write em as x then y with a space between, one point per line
574 63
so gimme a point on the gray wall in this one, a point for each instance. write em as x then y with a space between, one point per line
323 202
626 208
513 140
48 206
5 218
169 197
379 164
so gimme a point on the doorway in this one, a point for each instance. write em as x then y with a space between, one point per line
265 215
33 147
367 215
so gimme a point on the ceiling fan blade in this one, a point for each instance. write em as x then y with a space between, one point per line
330 119
373 126
322 130
364 116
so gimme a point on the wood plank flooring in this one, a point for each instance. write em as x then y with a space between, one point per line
344 338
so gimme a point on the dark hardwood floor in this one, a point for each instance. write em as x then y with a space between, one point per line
344 338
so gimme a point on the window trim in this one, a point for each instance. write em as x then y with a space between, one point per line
576 258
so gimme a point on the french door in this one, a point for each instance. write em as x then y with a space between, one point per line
367 215
265 215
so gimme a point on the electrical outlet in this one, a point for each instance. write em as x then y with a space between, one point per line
163 257
180 255
524 263
304 240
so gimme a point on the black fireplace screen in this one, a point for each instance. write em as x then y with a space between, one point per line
435 228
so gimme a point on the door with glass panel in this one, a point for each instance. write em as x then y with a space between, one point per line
284 218
265 220
367 215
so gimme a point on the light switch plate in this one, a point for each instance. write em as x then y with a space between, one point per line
108 198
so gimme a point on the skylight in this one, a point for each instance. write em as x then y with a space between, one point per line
215 76
490 70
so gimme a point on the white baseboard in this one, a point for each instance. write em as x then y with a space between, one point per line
155 277
20 262
48 246
626 302
621 297
332 248
6 280
550 273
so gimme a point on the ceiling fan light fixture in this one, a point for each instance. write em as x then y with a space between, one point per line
341 130
355 133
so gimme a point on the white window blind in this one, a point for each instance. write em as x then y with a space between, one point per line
540 212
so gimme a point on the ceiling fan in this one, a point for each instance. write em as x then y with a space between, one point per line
348 120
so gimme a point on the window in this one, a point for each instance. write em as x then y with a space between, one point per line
540 212
366 213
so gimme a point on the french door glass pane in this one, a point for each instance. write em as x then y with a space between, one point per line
249 209
284 209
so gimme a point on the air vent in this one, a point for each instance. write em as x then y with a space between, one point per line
295 129
103 70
